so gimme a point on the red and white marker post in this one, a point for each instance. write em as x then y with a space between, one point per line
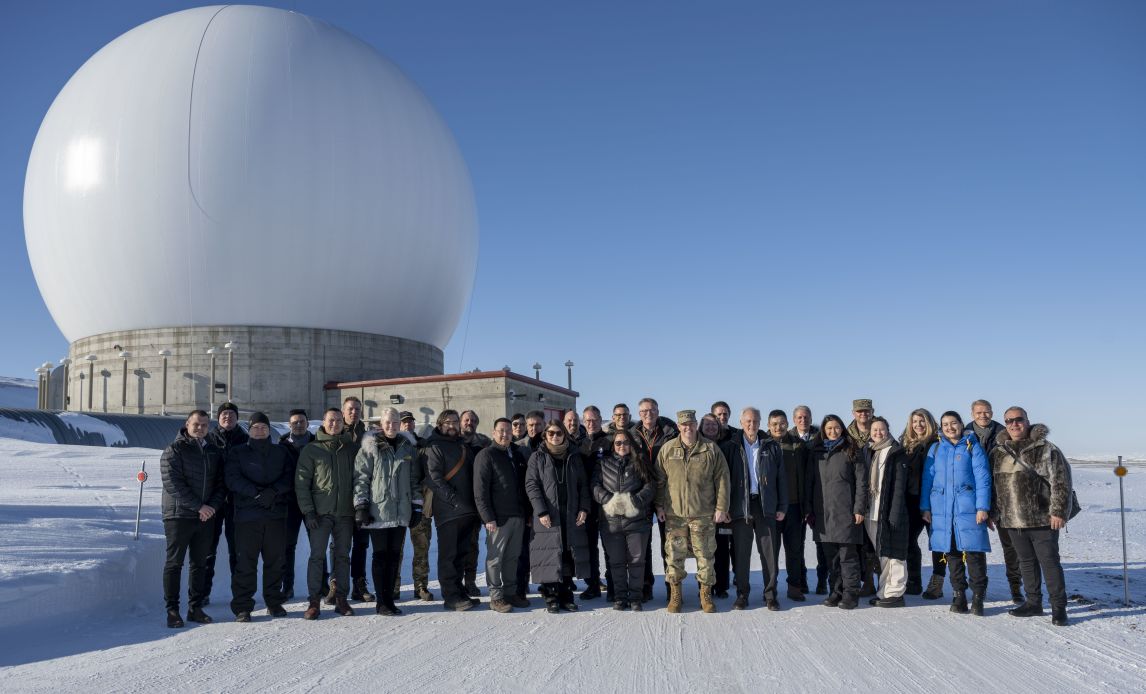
142 477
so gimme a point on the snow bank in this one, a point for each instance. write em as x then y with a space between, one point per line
17 393
22 430
84 424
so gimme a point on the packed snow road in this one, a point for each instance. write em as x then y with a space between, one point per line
83 612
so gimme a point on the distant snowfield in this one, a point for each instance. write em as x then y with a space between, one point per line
83 611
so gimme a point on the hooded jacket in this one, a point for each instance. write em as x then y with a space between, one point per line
192 477
956 485
324 480
1026 498
388 480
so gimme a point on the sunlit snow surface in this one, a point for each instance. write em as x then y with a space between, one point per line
82 610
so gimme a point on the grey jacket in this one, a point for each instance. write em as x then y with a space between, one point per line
388 479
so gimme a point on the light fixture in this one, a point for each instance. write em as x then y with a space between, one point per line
396 399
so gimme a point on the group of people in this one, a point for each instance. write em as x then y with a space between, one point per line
551 495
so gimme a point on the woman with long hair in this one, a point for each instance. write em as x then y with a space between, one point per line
956 499
839 502
886 520
559 493
920 433
624 484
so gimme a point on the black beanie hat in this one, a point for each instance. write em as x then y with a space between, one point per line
258 418
227 406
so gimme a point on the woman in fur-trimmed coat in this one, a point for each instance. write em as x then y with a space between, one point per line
624 484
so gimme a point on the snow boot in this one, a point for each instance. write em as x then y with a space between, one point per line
342 607
1058 616
312 610
772 605
1027 609
174 620
977 604
636 606
277 611
519 601
500 605
959 603
423 592
386 608
891 602
472 590
821 586
591 593
359 591
741 602
706 603
934 588
197 615
833 600
675 598
243 617
849 601
795 594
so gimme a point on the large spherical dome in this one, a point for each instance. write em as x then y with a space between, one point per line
246 165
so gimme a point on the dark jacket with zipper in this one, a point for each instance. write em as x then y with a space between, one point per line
255 469
650 447
499 484
770 476
324 479
839 493
293 451
192 477
453 498
798 472
892 535
614 475
542 477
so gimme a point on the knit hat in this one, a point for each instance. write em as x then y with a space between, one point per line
227 406
258 418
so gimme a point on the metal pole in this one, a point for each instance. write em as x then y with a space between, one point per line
1121 472
123 402
230 374
211 351
80 402
91 382
142 477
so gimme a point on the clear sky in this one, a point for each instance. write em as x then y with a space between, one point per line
767 203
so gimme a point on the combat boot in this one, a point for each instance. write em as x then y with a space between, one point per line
330 594
423 592
313 610
359 591
934 588
675 598
959 603
977 604
706 603
342 607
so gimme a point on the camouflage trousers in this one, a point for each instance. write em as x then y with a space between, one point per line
420 536
690 535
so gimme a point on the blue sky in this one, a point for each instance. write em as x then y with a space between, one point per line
766 203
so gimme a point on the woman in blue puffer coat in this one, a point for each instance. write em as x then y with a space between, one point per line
955 498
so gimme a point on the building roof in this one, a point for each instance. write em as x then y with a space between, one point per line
442 378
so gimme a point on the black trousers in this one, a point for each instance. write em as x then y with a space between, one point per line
523 563
265 537
472 556
453 554
823 564
1037 549
359 546
290 545
845 569
723 557
386 561
187 535
627 553
1011 558
593 533
338 532
762 528
224 526
790 533
976 568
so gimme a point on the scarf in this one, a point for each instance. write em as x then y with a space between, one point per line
878 455
558 451
831 444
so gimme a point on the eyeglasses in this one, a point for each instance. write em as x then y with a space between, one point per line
1015 420
619 444
554 433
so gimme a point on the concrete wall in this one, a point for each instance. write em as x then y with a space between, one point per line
275 369
488 397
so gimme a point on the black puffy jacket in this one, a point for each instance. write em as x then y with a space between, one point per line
499 484
614 475
255 468
192 476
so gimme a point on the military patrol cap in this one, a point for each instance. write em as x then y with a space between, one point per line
404 415
685 416
861 405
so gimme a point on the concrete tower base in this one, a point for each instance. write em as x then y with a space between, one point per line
268 368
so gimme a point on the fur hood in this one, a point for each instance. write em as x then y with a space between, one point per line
1038 434
373 444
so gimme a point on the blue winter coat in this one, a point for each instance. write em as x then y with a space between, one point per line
956 484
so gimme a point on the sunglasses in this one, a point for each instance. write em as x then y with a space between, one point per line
1015 420
554 433
618 444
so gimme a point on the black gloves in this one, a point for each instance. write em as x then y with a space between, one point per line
362 515
311 520
415 516
266 498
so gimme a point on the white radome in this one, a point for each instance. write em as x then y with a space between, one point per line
245 165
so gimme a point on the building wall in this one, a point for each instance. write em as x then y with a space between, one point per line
275 369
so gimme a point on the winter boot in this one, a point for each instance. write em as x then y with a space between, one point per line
277 611
636 606
386 608
675 598
1027 609
519 601
741 602
706 603
849 601
822 586
330 594
934 588
243 617
795 594
174 620
342 607
1017 596
977 604
959 603
1058 616
359 590
197 615
591 593
471 588
423 592
833 600
312 610
500 605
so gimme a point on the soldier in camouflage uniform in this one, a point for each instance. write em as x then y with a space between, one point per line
420 534
692 497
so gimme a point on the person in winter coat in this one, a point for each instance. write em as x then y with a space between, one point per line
711 429
758 498
476 441
956 500
922 430
224 436
791 530
387 500
650 432
839 502
499 494
324 485
595 446
886 520
449 465
260 475
987 430
559 493
423 533
806 431
624 486
293 442
193 491
1033 499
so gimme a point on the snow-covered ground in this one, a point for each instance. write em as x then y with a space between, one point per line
17 392
82 611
